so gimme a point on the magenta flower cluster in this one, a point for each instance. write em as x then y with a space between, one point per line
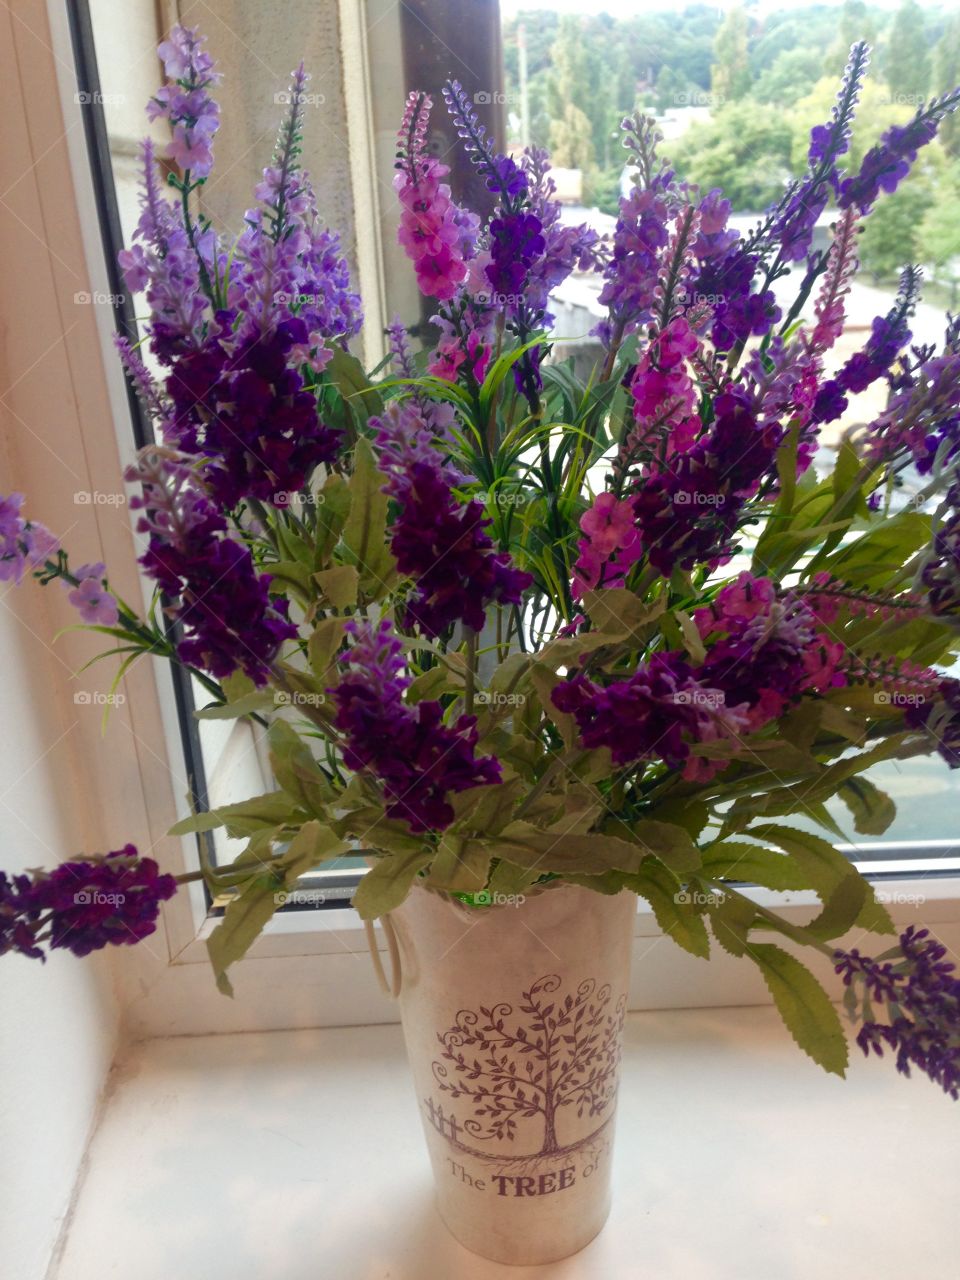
764 650
419 760
437 235
83 905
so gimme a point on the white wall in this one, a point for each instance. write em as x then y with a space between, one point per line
58 1020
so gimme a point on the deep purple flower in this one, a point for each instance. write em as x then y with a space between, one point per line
516 241
886 165
688 514
940 716
228 617
888 336
438 541
246 409
84 905
921 994
419 759
503 176
657 713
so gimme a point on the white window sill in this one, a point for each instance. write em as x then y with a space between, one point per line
299 1154
911 899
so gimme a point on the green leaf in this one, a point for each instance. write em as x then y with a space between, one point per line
690 635
325 640
753 864
333 506
823 868
388 882
242 923
617 612
730 920
314 844
561 852
842 908
804 1006
460 866
347 375
668 841
365 534
247 704
672 906
297 772
339 585
872 809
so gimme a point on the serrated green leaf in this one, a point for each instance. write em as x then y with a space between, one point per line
242 923
364 534
672 906
333 506
670 843
730 920
872 809
842 908
753 864
325 639
388 882
804 1006
561 852
339 585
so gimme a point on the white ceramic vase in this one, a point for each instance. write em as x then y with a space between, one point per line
513 1016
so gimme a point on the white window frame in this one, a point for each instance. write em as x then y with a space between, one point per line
311 968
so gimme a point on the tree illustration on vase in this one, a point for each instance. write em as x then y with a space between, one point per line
557 1053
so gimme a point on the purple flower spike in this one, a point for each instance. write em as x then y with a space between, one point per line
84 905
419 759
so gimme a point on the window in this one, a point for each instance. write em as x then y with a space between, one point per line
564 82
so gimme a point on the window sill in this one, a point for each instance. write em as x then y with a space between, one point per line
235 1155
935 898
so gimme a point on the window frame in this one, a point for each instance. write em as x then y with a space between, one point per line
310 968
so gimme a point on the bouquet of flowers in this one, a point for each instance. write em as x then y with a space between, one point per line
506 626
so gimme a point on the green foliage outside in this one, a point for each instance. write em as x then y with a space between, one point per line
764 85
